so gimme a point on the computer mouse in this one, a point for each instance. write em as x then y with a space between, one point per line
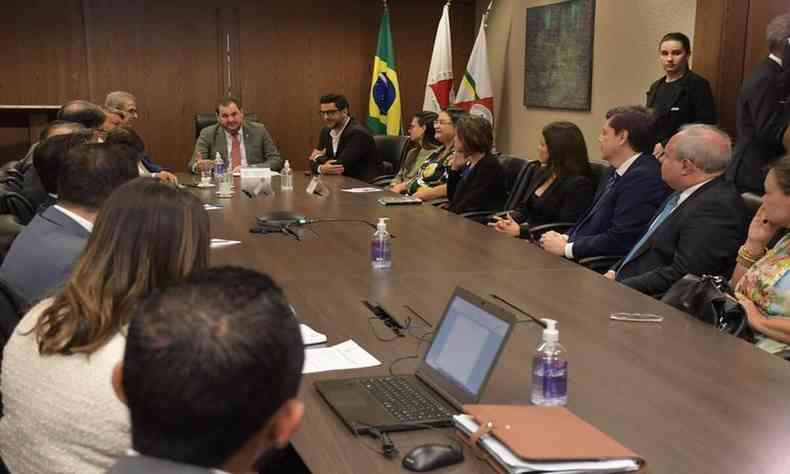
432 456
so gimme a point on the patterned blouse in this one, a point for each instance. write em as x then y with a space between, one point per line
767 284
433 171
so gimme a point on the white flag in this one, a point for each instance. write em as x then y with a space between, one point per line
475 93
439 88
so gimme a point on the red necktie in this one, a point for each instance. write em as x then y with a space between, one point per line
235 151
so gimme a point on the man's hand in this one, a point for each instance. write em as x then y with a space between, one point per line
204 165
610 275
331 168
315 154
166 176
506 225
554 243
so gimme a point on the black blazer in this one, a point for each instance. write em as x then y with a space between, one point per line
356 151
693 103
483 189
613 226
565 200
758 143
701 236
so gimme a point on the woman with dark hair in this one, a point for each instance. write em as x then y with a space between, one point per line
60 412
476 180
430 182
762 276
681 96
423 134
560 189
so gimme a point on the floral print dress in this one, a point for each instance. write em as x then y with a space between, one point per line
433 172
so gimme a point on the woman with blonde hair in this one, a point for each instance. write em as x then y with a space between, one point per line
61 414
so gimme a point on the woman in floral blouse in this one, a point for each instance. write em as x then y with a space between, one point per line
762 276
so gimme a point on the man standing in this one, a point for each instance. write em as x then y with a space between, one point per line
700 226
759 105
344 145
41 256
240 142
211 383
624 205
126 103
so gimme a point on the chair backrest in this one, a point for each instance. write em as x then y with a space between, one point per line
753 203
11 202
392 151
516 171
9 229
600 172
206 120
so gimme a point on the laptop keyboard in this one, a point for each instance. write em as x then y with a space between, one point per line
403 401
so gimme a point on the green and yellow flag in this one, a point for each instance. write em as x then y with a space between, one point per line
384 111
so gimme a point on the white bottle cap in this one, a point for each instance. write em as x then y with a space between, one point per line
287 165
550 334
382 225
219 156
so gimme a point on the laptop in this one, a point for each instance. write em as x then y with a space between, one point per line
453 371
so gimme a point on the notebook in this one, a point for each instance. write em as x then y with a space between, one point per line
453 371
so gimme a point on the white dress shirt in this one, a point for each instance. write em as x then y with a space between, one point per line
88 225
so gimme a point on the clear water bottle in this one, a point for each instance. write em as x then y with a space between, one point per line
381 246
550 369
286 177
219 168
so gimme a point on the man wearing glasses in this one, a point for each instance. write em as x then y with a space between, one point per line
344 146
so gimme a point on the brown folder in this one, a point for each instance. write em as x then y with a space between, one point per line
548 434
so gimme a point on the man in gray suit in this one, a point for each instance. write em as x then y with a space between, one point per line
211 383
240 142
42 255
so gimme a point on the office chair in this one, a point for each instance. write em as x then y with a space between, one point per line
392 151
11 202
519 171
753 203
9 229
206 120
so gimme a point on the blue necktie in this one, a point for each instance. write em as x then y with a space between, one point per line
609 186
669 206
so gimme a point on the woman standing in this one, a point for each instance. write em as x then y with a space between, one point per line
681 96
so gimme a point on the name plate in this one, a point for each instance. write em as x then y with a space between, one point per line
256 173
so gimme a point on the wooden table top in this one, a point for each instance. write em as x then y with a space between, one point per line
685 398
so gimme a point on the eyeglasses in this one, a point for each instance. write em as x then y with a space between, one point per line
328 113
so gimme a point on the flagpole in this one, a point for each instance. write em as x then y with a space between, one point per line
485 15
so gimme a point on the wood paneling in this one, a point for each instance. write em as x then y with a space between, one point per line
170 55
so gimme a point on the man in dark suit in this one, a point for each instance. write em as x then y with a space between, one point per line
759 104
624 204
345 146
700 226
211 383
42 254
239 142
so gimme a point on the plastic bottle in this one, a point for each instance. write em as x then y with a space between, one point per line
219 168
381 247
286 177
550 369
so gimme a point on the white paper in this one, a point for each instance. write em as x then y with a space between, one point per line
211 207
344 356
311 336
515 464
219 243
362 190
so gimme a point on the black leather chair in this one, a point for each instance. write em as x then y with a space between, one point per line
517 171
11 202
9 229
392 151
205 120
753 203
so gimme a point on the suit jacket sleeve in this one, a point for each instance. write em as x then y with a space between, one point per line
324 143
271 155
453 178
711 236
358 146
202 147
766 110
636 202
702 101
483 189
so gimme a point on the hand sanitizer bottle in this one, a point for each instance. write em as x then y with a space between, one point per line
550 369
381 250
286 177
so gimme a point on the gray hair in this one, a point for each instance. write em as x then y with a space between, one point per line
777 31
116 100
707 146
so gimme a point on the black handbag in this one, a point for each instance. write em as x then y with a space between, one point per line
709 299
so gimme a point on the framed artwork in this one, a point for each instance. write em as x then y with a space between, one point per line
559 55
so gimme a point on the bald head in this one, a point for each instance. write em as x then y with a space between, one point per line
695 154
82 111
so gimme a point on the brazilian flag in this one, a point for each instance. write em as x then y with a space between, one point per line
384 112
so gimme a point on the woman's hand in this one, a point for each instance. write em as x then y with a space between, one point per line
459 161
753 314
506 225
761 231
399 188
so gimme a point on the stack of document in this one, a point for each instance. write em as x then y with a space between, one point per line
344 356
311 336
544 439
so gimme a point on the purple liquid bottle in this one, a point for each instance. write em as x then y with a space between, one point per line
550 369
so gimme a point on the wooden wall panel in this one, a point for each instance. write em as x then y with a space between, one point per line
169 54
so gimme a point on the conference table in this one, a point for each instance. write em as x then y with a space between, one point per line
684 397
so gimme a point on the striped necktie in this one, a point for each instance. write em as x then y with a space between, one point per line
669 206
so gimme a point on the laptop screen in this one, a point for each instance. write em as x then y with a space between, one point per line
466 345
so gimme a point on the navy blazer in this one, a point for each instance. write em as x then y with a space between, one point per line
356 151
701 236
41 256
614 226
